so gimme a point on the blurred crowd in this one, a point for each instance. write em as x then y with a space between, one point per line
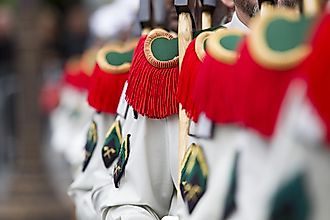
111 83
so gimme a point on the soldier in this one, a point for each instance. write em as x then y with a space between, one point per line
193 168
245 150
138 184
192 190
70 119
142 182
105 89
249 161
299 151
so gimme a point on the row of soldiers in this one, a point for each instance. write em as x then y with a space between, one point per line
229 122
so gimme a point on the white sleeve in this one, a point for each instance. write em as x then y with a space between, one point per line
81 189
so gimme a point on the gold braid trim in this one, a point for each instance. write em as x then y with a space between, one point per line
153 35
198 151
115 125
88 61
258 45
194 152
217 51
184 161
114 47
199 44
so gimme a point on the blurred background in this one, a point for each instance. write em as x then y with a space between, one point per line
38 38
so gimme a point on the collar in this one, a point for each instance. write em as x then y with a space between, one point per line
236 24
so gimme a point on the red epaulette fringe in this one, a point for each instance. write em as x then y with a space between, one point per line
189 69
79 79
319 73
214 90
151 90
105 90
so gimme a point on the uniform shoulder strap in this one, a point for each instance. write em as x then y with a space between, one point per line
116 58
279 39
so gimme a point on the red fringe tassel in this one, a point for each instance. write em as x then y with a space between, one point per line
213 92
189 69
151 91
78 79
319 73
245 93
105 90
261 92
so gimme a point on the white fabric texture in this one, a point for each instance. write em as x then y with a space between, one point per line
170 218
178 208
220 153
298 147
81 189
146 187
129 212
69 124
147 180
105 176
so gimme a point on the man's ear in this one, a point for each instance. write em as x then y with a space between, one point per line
228 3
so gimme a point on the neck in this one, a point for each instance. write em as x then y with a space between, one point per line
244 18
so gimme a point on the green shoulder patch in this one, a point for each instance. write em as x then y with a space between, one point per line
116 58
90 144
161 49
291 200
111 147
119 168
279 39
193 177
222 45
